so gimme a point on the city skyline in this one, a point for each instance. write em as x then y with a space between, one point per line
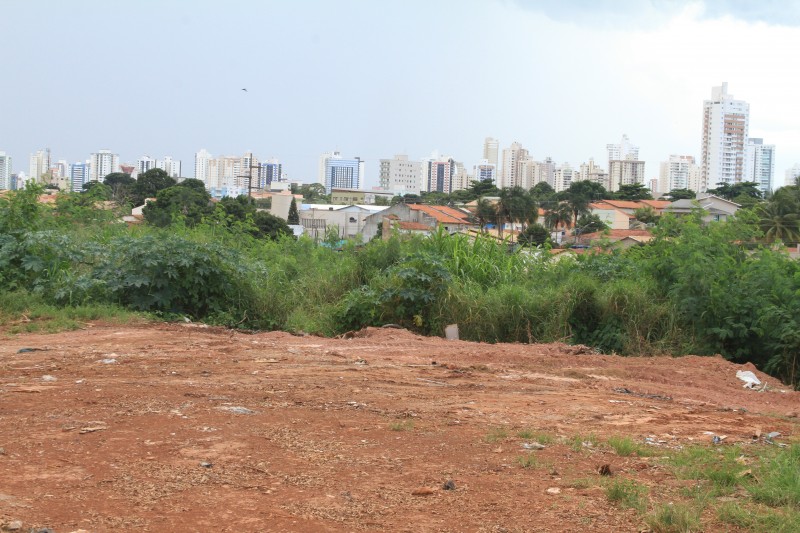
309 92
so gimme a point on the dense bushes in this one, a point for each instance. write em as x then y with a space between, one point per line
693 289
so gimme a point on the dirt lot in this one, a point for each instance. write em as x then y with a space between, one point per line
184 428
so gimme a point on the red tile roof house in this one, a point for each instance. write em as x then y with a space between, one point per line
431 216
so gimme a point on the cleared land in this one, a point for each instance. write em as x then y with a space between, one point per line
184 428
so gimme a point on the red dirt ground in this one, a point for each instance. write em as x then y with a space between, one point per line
343 434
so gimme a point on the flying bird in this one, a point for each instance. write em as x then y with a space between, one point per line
245 90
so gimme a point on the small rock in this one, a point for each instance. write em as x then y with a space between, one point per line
108 361
41 530
604 470
48 377
553 490
206 464
361 362
28 350
239 410
773 434
533 446
423 491
449 485
14 525
2 451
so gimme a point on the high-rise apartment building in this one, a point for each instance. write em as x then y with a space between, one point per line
491 149
592 172
510 173
485 171
624 167
268 172
677 173
101 164
563 176
625 172
624 150
78 175
201 160
726 124
5 171
791 175
145 163
760 164
40 165
544 172
340 173
440 175
399 175
171 166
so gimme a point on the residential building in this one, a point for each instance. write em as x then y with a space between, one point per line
145 163
400 176
544 171
101 164
171 166
79 173
341 173
491 148
717 209
792 174
439 175
269 172
726 124
347 220
677 173
201 160
450 219
760 164
592 172
510 172
485 171
625 172
39 168
622 151
461 178
563 177
5 172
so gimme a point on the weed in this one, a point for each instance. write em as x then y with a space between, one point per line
627 493
718 466
407 425
779 479
541 438
581 442
673 518
625 447
528 461
756 519
496 434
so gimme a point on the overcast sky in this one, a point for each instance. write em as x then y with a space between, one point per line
375 78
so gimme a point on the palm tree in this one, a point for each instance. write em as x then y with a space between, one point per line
779 222
485 212
560 215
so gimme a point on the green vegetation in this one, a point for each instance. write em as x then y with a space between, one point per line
528 461
625 447
673 518
496 434
695 288
627 493
406 425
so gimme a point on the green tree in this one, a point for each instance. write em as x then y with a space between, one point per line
269 226
534 235
589 224
579 195
560 215
179 200
632 192
486 187
149 183
313 193
543 194
779 221
294 216
121 185
729 192
681 194
485 213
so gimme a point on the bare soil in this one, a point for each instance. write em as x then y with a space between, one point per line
171 427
